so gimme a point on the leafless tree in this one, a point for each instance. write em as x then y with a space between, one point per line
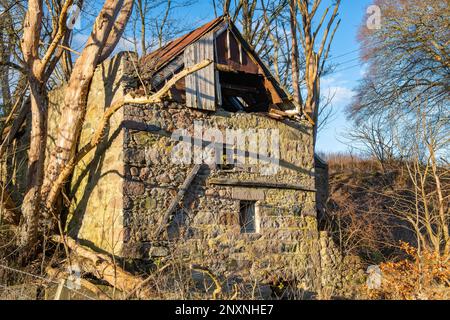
42 43
401 110
316 50
153 23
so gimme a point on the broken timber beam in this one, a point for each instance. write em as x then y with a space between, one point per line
225 68
104 267
181 192
258 184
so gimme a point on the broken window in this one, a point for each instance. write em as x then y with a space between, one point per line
243 92
248 219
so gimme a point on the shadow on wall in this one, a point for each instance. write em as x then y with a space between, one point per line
94 171
141 126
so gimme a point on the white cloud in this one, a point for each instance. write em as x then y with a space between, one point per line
340 95
337 88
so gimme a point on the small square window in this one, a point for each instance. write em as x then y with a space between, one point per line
248 217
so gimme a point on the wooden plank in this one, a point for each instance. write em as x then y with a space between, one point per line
60 289
218 88
258 184
169 70
275 116
216 71
228 45
240 53
239 61
175 201
272 90
240 89
278 112
225 68
221 30
277 92
200 86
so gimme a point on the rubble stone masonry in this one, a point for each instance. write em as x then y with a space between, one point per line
123 188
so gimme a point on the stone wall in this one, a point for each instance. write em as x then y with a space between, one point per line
321 171
96 211
341 275
207 229
122 189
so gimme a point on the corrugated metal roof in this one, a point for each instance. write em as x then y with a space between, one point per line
154 61
159 58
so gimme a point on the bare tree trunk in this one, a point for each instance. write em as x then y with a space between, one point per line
311 74
36 154
117 30
294 54
160 28
442 209
226 7
311 70
315 59
313 102
5 54
36 158
141 10
107 30
248 10
36 70
104 268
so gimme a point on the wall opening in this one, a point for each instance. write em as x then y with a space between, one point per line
248 217
225 164
243 92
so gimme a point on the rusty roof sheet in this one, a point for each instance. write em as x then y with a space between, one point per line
159 58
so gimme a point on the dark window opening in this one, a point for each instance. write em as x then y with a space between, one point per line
243 92
225 164
247 217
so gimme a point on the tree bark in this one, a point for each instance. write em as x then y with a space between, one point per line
104 268
117 30
294 54
143 31
35 171
9 210
5 56
315 59
101 41
36 154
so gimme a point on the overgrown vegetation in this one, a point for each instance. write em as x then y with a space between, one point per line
369 215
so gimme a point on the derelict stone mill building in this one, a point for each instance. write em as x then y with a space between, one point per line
131 199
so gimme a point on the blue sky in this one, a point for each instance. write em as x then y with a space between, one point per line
348 71
344 55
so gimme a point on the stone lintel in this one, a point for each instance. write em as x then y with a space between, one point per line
251 194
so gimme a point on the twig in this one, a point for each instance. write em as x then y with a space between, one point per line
218 290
